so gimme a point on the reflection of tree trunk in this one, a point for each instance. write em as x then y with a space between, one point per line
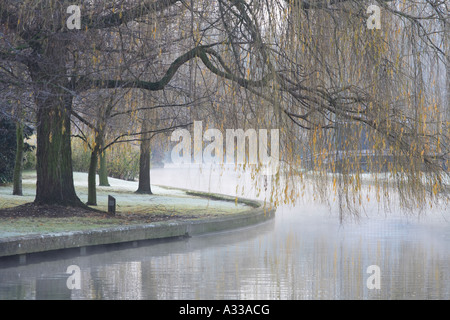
144 162
17 179
103 171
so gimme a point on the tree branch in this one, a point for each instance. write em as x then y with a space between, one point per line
117 139
85 83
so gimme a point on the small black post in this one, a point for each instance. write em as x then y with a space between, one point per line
111 205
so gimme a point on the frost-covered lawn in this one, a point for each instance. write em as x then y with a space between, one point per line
23 226
165 202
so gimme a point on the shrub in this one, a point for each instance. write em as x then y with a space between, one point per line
122 159
29 160
80 155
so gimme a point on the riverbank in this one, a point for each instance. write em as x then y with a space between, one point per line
168 213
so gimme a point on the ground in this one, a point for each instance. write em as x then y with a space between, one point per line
30 210
18 215
29 218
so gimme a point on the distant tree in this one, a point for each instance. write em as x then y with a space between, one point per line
8 149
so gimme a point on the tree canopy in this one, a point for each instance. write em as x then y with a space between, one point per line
348 99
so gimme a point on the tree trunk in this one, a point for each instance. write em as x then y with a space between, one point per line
103 171
54 155
54 105
144 163
17 178
92 190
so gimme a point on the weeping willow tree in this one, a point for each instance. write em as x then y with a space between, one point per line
368 99
348 100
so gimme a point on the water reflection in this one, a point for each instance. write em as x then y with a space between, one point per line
303 254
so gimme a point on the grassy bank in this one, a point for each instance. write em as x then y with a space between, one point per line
132 208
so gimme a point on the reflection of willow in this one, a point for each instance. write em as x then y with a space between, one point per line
116 281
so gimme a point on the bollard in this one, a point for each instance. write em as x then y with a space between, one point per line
111 205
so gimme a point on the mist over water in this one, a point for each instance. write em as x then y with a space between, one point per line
304 253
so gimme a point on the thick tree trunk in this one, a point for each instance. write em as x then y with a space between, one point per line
54 155
144 168
144 163
92 190
103 171
17 178
54 105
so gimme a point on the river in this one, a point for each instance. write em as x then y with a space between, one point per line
304 253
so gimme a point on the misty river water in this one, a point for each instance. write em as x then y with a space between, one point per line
304 253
